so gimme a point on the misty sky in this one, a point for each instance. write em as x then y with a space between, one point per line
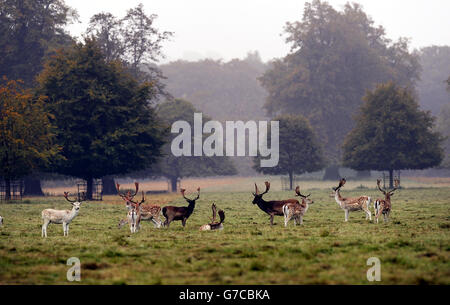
230 28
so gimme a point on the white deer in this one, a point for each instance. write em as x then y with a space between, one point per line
352 204
296 210
63 217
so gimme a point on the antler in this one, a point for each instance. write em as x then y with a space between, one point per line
128 196
396 185
184 190
256 190
213 207
379 186
267 187
66 195
341 184
297 191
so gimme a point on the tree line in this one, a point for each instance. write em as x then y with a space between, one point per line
344 95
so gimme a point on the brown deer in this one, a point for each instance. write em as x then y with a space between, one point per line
148 212
296 210
214 225
272 208
352 204
383 206
172 213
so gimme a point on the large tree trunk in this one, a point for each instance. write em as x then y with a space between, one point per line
332 173
89 183
391 178
109 187
291 177
32 186
7 190
173 183
362 174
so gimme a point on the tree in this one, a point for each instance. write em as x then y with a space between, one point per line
435 61
105 122
392 133
26 135
300 150
134 40
335 56
175 168
30 29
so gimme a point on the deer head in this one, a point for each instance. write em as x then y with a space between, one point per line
390 193
257 195
75 203
190 201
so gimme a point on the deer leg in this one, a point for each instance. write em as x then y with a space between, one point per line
301 219
44 228
271 219
346 215
183 222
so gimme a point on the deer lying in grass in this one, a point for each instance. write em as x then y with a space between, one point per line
61 216
214 225
272 208
296 210
148 212
352 204
172 213
384 206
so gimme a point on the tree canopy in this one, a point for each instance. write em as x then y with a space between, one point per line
175 168
26 135
30 29
392 133
435 61
105 122
300 150
335 56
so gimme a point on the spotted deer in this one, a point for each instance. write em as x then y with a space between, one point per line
214 225
383 206
63 217
172 213
352 204
296 210
272 208
149 212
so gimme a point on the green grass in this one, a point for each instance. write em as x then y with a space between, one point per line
414 248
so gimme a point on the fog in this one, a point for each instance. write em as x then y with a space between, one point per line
229 29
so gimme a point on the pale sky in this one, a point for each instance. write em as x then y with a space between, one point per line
230 28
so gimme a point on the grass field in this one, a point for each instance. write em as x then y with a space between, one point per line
414 247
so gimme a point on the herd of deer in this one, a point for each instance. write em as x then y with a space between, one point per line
290 209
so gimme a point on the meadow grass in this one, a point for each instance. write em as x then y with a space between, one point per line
414 247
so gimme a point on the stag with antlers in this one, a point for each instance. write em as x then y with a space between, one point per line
214 225
351 204
172 213
296 210
383 206
63 217
147 212
272 208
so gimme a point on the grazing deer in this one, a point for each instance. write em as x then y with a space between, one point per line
352 204
149 212
1 221
214 225
61 216
296 210
172 213
384 206
272 208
